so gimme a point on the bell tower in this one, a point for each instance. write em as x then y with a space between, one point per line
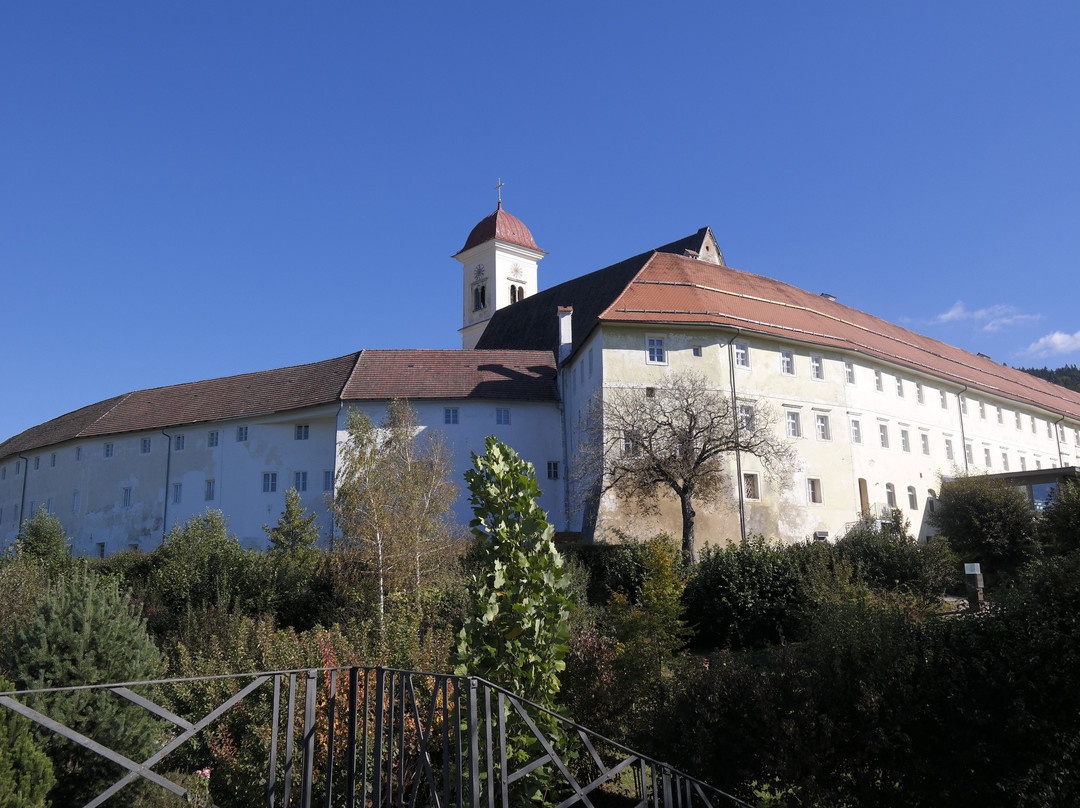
498 265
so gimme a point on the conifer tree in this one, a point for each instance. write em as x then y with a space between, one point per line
84 632
26 773
295 531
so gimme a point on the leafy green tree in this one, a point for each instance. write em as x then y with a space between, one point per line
85 632
517 632
26 773
393 505
42 537
986 520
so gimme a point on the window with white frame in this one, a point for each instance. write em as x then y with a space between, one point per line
944 399
696 350
1016 417
963 404
212 438
849 372
821 422
302 432
883 433
328 481
986 457
1033 425
794 425
813 490
787 363
1000 416
656 353
879 383
948 449
919 393
1049 430
742 355
1038 463
746 416
553 469
856 431
1023 463
968 454
450 415
144 446
905 441
912 500
177 493
126 496
631 442
300 480
890 495
502 416
210 490
751 486
982 410
178 443
899 387
817 367
269 482
1004 461
924 439
241 434
108 450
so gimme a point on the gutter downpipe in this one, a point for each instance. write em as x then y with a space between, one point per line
963 434
738 452
168 465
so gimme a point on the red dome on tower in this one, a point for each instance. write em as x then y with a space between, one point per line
504 227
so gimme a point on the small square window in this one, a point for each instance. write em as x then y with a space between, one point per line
209 492
656 354
301 432
178 443
751 489
794 425
241 434
883 432
787 363
300 481
328 481
849 372
177 493
905 441
813 490
212 439
650 392
823 430
856 431
879 383
553 469
108 450
697 350
450 415
502 416
269 482
742 355
144 446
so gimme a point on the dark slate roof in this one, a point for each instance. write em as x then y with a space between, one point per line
365 375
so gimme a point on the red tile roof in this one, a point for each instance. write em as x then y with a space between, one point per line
677 290
502 226
366 375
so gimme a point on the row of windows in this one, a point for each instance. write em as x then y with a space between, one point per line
752 491
451 416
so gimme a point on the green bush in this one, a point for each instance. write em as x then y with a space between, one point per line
26 773
1059 528
42 538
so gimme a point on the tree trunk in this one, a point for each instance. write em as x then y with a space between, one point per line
688 514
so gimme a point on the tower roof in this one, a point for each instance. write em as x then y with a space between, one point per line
502 226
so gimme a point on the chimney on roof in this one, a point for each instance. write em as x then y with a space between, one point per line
827 296
566 332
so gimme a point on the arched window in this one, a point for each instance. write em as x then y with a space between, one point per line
890 495
513 294
479 298
931 500
912 502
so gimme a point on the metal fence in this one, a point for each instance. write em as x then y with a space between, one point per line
373 737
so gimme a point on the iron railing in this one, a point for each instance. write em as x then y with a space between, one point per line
364 737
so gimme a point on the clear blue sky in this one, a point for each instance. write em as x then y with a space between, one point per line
196 189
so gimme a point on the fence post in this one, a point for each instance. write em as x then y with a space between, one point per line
474 748
309 737
376 785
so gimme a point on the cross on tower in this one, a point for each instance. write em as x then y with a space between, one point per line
499 189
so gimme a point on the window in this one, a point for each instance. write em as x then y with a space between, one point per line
944 400
74 502
631 442
1017 419
650 392
905 442
553 469
849 372
856 431
144 446
328 481
177 493
479 297
879 384
750 486
101 549
1049 430
210 490
919 393
899 387
178 443
37 462
212 439
746 416
301 432
269 482
1076 437
817 368
1023 463
300 481
108 450
1032 424
52 457
822 424
1000 416
18 466
986 457
813 490
948 449
883 431
78 453
924 439
697 350
127 497
890 495
49 505
502 416
656 355
742 354
963 404
794 427
982 410
912 501
931 500
1005 461
450 415
241 434
787 363
1038 463
967 453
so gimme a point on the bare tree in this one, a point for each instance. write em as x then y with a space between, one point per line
678 436
392 508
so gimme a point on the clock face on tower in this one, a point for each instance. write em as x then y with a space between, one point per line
478 272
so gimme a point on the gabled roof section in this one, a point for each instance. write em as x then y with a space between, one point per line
427 374
674 290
